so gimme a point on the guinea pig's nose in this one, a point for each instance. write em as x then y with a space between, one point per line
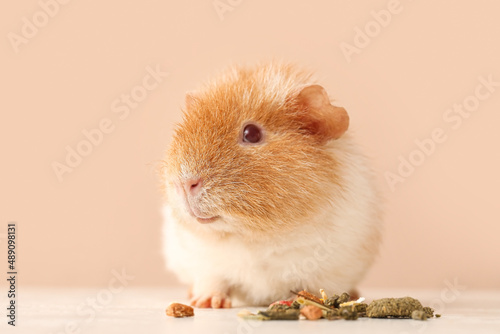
193 186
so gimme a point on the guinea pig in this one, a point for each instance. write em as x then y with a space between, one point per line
266 192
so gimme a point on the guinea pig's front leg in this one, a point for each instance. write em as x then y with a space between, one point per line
210 292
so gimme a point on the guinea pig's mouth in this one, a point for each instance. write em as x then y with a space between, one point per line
195 213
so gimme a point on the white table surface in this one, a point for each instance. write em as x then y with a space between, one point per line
136 310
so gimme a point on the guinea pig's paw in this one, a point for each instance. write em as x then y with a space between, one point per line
213 300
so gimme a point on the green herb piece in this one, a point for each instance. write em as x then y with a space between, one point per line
332 301
361 308
295 305
344 298
290 314
333 314
278 307
349 313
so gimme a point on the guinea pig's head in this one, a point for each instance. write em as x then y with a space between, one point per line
251 153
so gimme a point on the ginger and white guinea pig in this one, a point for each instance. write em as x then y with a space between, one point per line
266 192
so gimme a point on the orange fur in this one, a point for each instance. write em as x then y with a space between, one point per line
267 187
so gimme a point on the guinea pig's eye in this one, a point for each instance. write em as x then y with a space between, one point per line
252 134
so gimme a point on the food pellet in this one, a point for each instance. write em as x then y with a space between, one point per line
393 307
178 310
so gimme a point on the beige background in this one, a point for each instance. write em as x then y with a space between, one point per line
442 222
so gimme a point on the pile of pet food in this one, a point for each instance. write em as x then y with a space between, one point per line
310 307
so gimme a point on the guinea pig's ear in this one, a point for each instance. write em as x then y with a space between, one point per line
318 116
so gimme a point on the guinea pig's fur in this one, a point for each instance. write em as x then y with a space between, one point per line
297 211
